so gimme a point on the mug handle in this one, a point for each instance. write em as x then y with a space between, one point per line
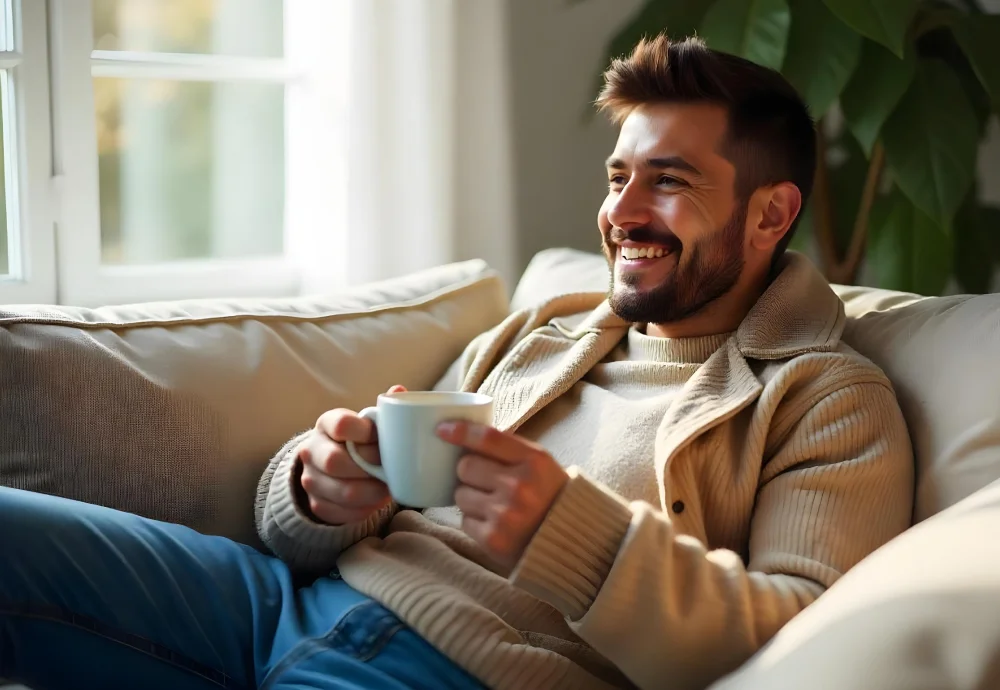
352 450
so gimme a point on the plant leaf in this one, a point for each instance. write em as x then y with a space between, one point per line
883 21
974 257
874 91
678 17
979 36
753 29
821 55
941 43
907 249
931 142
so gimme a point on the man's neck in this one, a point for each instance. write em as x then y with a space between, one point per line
723 315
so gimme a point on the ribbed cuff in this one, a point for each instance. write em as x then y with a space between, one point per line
570 556
299 540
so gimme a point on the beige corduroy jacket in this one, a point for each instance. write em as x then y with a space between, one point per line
782 463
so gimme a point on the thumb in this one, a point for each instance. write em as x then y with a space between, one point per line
397 389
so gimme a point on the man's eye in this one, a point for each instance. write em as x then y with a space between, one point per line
618 180
669 181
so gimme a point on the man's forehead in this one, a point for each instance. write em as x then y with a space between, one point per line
689 130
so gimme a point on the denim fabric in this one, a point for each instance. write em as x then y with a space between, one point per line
95 598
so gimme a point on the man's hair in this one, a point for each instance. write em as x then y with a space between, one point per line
771 137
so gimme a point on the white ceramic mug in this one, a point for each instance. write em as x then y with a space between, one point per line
419 468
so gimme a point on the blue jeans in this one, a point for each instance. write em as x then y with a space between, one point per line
94 598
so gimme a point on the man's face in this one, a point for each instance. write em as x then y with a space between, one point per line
672 230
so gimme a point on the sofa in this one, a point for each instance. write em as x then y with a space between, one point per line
172 410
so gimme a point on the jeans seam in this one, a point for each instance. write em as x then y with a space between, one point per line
372 645
54 614
304 650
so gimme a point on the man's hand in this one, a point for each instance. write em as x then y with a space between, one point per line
506 487
338 490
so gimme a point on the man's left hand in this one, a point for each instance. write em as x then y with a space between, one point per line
506 487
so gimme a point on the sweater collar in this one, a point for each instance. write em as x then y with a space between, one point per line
797 313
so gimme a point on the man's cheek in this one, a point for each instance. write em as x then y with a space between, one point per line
679 217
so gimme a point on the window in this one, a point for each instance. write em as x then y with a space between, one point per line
186 148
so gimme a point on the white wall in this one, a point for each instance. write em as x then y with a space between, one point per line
559 178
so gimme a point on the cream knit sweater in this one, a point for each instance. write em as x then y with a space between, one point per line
779 464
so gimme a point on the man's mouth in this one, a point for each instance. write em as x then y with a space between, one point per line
644 253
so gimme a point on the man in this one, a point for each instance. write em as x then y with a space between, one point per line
673 472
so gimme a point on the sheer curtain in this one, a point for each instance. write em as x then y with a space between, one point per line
426 142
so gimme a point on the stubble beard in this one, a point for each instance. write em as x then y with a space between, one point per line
712 267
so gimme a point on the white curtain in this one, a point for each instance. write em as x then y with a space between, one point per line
426 143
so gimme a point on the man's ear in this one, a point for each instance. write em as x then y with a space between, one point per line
778 206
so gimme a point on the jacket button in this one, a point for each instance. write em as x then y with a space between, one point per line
678 507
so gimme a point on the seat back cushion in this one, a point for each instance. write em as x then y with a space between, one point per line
172 410
942 355
918 614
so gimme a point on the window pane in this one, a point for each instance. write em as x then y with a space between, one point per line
249 28
189 169
4 260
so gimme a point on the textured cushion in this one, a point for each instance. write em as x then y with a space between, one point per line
941 355
918 614
172 410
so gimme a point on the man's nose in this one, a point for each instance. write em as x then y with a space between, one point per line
631 207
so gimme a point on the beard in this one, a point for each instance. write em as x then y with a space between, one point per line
710 269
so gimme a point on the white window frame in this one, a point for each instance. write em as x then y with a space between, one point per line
58 172
27 146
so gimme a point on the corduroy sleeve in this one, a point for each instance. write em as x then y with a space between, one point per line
665 609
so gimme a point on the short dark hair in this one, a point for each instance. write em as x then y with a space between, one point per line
771 136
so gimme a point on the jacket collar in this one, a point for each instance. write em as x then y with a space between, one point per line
797 313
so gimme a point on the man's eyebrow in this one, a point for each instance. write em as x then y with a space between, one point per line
668 163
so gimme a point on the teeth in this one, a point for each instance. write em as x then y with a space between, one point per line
642 252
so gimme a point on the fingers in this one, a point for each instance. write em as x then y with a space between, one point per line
485 440
333 514
347 493
331 458
345 425
480 472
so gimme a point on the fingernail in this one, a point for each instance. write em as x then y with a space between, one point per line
447 428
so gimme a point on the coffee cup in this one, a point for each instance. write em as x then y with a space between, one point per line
419 468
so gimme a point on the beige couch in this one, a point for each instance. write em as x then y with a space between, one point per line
172 410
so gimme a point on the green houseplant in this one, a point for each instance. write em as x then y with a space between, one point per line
902 91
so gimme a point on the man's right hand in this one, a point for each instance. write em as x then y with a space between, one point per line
338 490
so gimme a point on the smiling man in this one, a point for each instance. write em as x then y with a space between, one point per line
674 470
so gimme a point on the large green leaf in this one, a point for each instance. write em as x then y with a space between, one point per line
883 21
941 43
679 18
979 36
907 249
754 29
822 54
874 91
931 142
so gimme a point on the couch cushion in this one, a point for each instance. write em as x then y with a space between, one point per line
940 354
919 613
172 410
